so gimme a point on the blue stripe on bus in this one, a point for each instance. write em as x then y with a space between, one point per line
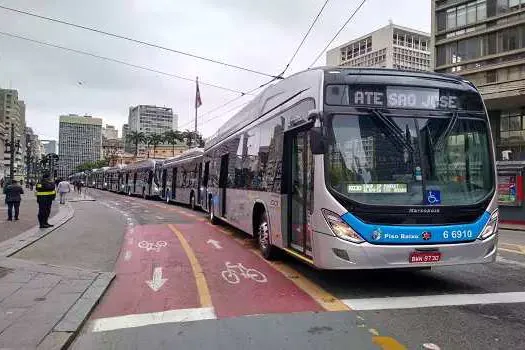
417 234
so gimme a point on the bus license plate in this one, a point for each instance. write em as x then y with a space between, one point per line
424 257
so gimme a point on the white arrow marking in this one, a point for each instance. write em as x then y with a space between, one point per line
157 281
127 256
215 243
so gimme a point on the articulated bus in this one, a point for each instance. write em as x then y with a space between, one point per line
181 178
359 169
115 178
141 179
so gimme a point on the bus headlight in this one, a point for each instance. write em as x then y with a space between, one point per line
491 227
341 228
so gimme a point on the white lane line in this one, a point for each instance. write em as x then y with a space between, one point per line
140 320
434 300
128 255
159 217
510 262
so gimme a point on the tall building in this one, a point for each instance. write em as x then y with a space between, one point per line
50 146
484 41
125 131
79 141
151 120
12 114
392 46
109 132
34 153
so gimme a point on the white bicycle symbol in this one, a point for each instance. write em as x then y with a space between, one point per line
152 245
431 198
232 272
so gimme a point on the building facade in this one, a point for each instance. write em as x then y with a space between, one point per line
392 46
109 132
79 141
12 116
50 146
34 153
150 120
484 41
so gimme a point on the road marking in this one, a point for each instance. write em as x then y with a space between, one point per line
156 281
200 280
510 262
140 320
513 245
511 251
387 343
159 217
232 272
152 245
127 256
434 300
215 243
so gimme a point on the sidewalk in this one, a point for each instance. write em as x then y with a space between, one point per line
512 226
28 216
42 305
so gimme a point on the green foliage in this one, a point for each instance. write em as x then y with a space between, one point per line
136 138
92 165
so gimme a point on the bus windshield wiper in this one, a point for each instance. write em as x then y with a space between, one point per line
394 130
440 143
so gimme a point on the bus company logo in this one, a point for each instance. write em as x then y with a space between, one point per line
426 235
424 211
376 235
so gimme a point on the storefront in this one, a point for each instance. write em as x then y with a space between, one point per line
510 191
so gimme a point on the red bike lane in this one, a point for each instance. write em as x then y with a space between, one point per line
240 282
153 274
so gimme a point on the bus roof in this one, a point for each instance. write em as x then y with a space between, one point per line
146 163
191 153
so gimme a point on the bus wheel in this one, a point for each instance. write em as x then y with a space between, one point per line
192 201
213 218
263 237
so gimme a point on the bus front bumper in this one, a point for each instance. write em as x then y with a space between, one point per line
334 253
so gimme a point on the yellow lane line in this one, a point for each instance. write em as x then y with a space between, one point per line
200 280
321 296
387 343
511 251
515 246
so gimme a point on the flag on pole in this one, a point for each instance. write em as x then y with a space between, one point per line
198 101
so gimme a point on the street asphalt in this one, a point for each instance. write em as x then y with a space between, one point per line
465 307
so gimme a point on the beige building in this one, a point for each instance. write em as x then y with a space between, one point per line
484 41
12 114
109 132
392 46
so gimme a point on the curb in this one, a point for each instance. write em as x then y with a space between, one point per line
34 234
67 329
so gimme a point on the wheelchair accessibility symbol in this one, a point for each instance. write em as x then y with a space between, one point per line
432 197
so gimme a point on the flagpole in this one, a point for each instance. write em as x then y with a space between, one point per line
195 129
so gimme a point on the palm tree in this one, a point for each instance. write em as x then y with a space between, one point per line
155 140
136 138
193 138
173 137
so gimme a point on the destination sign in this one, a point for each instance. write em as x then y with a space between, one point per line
377 188
401 97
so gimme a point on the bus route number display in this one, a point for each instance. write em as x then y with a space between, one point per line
377 188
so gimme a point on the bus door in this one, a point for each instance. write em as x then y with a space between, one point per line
299 177
223 182
205 178
135 182
164 175
150 181
199 185
174 184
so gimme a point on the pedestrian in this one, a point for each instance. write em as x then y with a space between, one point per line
63 188
45 194
80 184
31 185
13 198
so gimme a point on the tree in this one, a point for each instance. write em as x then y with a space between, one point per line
193 138
136 138
173 137
92 165
111 150
155 140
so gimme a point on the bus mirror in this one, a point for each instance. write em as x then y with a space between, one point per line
317 141
313 115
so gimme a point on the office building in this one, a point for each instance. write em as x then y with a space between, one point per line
109 132
125 131
150 120
392 46
50 146
12 115
79 141
484 41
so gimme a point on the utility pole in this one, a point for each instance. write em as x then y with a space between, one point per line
13 147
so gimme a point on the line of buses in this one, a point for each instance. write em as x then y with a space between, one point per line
344 169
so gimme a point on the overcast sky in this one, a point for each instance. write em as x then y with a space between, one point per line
261 35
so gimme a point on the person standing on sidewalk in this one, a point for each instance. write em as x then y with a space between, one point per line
63 188
13 198
45 195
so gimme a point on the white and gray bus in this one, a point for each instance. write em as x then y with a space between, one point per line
140 179
115 178
359 169
180 178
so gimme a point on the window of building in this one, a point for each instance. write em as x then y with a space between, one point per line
451 18
492 77
461 16
441 22
502 6
514 4
471 13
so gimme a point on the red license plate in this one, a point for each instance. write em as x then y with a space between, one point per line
424 257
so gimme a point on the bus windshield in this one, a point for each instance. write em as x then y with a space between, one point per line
416 159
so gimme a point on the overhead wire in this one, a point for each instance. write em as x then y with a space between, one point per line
337 34
141 42
121 62
304 37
